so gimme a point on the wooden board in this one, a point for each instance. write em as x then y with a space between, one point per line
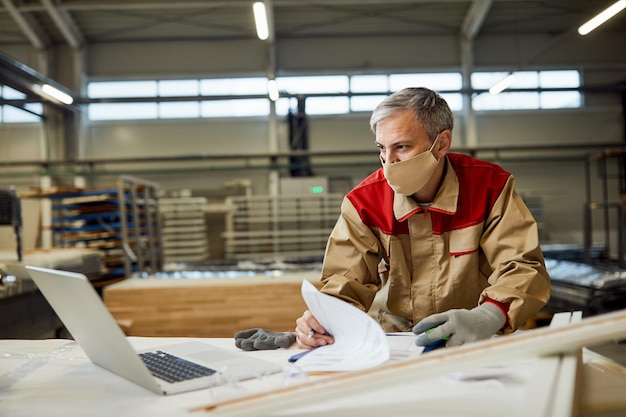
211 307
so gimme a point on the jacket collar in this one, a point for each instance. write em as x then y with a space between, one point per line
445 201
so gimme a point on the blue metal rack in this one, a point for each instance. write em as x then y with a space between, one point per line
121 222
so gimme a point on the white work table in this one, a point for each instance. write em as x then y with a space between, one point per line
54 378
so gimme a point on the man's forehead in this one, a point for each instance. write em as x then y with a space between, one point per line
399 131
402 120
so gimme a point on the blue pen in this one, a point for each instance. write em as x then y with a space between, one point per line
439 343
301 354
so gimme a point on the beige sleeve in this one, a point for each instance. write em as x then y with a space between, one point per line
516 269
350 263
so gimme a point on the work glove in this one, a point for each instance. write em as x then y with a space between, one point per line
460 325
262 339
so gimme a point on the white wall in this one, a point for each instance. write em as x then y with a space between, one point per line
22 142
176 138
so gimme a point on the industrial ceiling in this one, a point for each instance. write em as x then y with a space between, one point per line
45 24
79 23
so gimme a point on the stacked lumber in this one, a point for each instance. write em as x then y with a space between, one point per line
213 307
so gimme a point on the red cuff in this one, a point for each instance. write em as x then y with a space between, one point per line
504 307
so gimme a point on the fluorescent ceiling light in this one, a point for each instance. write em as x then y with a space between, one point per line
260 20
272 88
54 93
602 17
502 84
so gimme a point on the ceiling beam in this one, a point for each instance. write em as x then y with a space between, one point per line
271 40
474 18
168 4
65 24
28 26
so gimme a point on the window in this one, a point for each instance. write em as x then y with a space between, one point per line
179 109
434 81
11 114
327 105
365 103
324 94
395 82
560 99
233 86
325 84
178 88
529 80
118 89
283 105
455 100
369 83
15 115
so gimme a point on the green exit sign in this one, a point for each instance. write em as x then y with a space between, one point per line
316 189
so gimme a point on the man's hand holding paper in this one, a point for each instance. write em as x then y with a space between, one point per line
357 342
310 333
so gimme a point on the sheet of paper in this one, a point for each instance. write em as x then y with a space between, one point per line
402 345
360 342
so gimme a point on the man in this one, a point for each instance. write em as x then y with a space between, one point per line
432 240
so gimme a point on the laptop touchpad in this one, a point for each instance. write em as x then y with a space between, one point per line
212 356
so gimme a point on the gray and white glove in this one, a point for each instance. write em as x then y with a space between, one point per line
460 325
262 339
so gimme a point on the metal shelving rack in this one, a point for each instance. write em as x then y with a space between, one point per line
11 215
183 229
279 226
121 222
611 169
140 226
89 218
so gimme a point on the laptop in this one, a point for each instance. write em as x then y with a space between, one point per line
90 323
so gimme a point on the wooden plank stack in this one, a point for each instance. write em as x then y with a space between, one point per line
212 307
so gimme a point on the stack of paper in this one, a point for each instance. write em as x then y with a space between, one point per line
360 342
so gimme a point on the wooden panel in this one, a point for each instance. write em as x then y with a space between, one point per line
213 307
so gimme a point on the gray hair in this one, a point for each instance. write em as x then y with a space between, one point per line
430 109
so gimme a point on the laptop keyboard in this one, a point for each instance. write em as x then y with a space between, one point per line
172 368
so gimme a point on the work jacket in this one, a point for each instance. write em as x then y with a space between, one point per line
401 262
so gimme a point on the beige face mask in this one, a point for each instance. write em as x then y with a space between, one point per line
410 176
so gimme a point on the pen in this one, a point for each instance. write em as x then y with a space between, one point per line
301 354
439 343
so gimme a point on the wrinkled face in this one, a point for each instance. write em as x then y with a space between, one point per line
400 137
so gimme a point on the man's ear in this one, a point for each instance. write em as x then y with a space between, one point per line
443 143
